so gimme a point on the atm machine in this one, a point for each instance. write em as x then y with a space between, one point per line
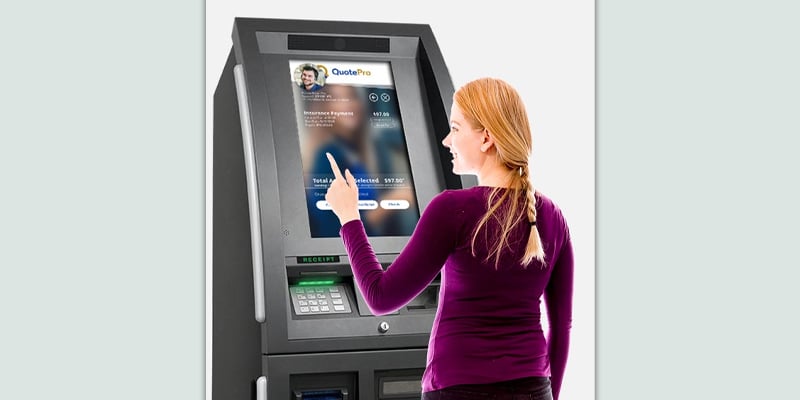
289 322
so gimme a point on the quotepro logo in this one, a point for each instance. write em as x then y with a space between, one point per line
351 72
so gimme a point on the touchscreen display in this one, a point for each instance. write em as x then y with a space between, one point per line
350 109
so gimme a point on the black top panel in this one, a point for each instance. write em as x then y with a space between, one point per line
338 43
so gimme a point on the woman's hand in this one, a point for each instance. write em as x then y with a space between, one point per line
342 195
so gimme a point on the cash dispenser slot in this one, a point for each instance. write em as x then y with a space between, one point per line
326 394
324 386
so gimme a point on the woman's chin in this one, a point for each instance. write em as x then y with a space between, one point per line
457 169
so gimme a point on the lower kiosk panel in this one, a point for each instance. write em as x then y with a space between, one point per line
391 374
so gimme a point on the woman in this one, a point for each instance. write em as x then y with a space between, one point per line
500 246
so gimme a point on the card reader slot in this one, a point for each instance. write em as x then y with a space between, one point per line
427 300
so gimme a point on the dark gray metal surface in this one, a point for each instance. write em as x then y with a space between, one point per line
287 344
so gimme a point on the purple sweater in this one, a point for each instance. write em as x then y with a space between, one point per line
487 327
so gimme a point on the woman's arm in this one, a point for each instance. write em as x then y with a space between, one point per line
558 300
417 265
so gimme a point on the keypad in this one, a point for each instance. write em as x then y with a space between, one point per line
319 300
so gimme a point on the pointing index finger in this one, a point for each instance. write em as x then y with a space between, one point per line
335 167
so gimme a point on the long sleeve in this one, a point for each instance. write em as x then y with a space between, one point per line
415 267
558 300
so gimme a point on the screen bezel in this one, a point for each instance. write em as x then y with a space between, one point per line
416 124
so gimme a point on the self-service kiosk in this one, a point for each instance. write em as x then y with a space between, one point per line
288 320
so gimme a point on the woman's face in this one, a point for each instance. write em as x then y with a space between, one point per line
464 142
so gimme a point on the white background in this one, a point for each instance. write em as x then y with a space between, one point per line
546 52
101 212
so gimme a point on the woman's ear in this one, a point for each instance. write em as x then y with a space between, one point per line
488 140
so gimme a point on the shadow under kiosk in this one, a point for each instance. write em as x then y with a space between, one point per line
288 319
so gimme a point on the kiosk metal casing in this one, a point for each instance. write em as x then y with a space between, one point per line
264 255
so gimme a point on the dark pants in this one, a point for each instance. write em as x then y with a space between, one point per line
534 388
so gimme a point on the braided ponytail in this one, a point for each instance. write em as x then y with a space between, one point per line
534 248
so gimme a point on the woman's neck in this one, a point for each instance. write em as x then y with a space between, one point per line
496 176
